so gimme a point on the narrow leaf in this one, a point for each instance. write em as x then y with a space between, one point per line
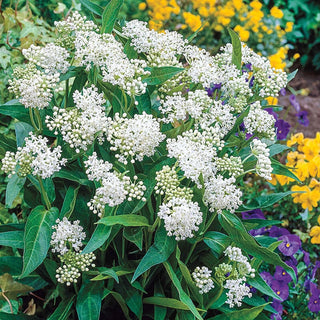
110 14
127 220
217 242
158 75
62 311
22 130
12 239
96 9
15 109
98 238
236 48
37 237
14 187
69 201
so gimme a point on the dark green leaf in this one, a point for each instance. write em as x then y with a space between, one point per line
48 187
75 176
14 186
277 148
259 223
134 235
119 270
237 232
98 238
89 301
110 14
15 110
166 302
291 75
120 301
217 242
69 201
62 312
159 252
159 75
12 239
247 314
37 237
128 220
280 169
182 295
12 265
236 48
71 73
22 131
92 7
258 283
7 144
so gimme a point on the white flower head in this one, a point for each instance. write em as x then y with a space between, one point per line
202 279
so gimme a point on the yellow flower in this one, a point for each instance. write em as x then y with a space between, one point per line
276 12
297 196
272 101
309 200
314 183
315 234
289 26
193 21
302 170
297 138
243 34
237 4
311 149
296 56
294 158
256 5
142 6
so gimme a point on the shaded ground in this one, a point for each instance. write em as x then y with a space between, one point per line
311 103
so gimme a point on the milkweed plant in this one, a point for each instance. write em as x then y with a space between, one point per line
131 146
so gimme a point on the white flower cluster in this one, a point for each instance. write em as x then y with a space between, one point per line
51 58
104 51
195 152
114 187
181 217
81 125
33 87
67 234
134 138
168 185
262 153
35 157
161 48
202 279
222 194
237 290
67 240
73 264
231 164
260 122
177 107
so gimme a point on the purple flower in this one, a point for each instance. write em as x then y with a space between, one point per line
306 257
253 214
280 288
213 88
267 277
283 92
302 118
247 67
251 82
290 244
271 111
314 271
276 232
314 301
276 317
277 305
252 289
282 275
283 128
294 102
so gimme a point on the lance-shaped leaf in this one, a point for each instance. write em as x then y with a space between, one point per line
158 75
10 288
110 15
12 239
236 48
127 220
37 237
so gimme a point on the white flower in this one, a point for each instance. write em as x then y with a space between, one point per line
202 278
262 153
222 194
67 233
97 169
134 138
181 217
237 291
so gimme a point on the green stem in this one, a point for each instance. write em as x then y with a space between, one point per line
32 119
38 117
75 288
208 224
214 299
155 224
125 101
66 94
190 252
44 194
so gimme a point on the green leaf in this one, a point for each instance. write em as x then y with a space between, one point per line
291 75
280 169
12 288
75 176
8 316
182 295
258 283
12 265
159 75
159 252
22 131
237 232
110 14
37 237
264 201
96 9
119 270
69 201
109 272
89 301
71 73
236 48
217 242
166 302
247 314
12 239
127 220
134 235
7 144
120 301
15 110
62 311
277 148
259 223
48 186
14 187
98 238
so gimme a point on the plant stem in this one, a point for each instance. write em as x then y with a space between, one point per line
44 194
191 251
7 299
66 94
75 288
37 113
213 216
32 119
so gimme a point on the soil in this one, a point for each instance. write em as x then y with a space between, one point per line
309 80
